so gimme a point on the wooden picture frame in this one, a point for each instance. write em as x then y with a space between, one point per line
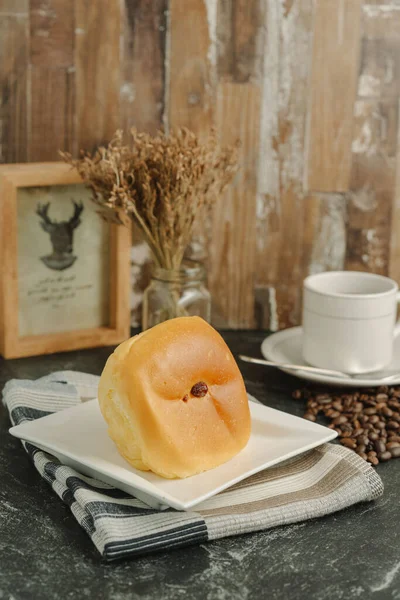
12 344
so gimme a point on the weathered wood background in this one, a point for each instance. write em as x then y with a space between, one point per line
311 87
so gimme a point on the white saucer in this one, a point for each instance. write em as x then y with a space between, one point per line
78 437
286 347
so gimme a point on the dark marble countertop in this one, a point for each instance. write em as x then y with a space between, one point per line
44 554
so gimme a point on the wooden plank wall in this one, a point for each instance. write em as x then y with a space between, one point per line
311 87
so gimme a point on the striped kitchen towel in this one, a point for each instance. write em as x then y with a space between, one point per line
317 483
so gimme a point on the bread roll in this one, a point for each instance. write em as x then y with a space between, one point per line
174 399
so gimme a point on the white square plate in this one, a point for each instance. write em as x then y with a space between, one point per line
78 437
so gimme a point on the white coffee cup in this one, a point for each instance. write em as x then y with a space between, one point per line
349 321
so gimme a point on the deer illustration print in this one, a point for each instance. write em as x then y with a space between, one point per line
61 237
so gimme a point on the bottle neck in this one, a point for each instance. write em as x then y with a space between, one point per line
190 271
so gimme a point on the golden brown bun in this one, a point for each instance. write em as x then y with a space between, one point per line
157 416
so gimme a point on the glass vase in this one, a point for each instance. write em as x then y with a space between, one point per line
176 293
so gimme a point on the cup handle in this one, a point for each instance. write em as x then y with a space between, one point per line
396 330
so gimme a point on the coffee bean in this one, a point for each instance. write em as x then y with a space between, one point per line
391 445
347 425
337 406
358 407
360 448
380 425
363 439
348 402
358 432
373 436
370 411
396 417
380 447
393 425
323 398
394 404
381 397
332 414
394 437
348 442
383 389
384 456
339 420
372 458
395 393
373 419
363 419
349 419
371 402
310 417
345 433
387 411
362 455
395 452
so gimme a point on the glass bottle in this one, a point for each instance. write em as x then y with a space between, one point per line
176 293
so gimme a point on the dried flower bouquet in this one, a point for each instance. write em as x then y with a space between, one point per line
161 182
